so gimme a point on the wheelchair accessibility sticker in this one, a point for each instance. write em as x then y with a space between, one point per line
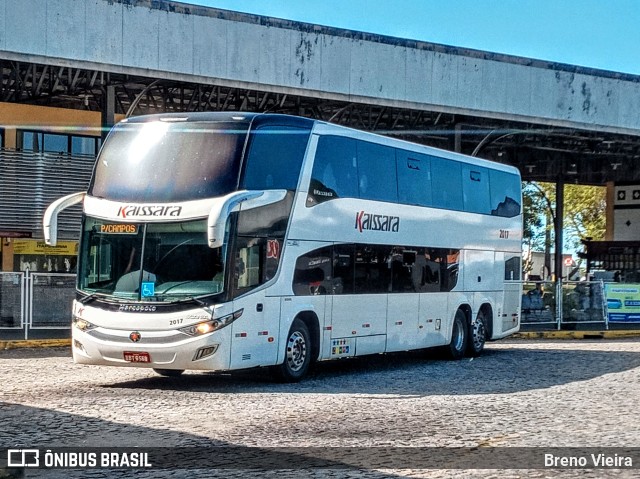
148 289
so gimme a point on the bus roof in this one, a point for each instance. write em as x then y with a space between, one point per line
244 118
322 127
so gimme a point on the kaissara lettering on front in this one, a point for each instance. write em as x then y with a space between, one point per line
151 210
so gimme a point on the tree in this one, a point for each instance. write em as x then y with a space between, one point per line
584 215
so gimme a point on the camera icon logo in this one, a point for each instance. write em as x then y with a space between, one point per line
23 458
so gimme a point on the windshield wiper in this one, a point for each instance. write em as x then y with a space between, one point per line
198 301
193 299
92 297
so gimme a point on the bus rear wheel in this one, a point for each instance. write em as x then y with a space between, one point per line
297 354
477 335
459 336
170 373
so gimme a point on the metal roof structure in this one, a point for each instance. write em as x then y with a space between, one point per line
553 121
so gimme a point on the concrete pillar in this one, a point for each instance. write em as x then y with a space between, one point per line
611 198
108 110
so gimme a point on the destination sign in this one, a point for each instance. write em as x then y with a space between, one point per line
119 229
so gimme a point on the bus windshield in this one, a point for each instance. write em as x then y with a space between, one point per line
162 161
164 262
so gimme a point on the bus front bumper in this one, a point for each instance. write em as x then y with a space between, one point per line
152 349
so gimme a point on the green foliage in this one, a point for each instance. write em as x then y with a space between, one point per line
536 216
584 214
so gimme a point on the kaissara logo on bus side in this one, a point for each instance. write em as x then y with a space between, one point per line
369 221
130 210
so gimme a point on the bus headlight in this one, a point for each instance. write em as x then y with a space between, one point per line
200 328
82 324
209 326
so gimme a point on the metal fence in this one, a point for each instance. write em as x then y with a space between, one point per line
39 304
32 303
12 314
566 305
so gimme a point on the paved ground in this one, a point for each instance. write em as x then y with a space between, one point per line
521 393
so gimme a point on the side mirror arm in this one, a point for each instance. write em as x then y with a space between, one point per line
50 218
220 212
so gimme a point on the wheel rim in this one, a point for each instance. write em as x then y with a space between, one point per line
458 336
296 351
478 333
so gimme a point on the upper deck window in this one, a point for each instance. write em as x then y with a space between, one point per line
414 178
352 168
275 157
475 189
447 181
158 161
335 170
505 194
377 172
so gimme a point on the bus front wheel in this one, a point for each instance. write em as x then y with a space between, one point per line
459 336
297 355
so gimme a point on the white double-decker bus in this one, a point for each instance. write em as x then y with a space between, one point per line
219 241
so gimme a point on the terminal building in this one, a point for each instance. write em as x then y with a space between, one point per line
66 79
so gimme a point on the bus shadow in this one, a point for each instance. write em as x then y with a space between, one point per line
417 373
34 353
171 453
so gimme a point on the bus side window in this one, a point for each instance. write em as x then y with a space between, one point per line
505 194
377 177
447 176
275 157
400 261
343 267
441 273
335 173
249 264
371 272
256 262
313 274
451 260
475 189
414 178
512 269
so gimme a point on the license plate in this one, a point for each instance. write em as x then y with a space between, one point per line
137 357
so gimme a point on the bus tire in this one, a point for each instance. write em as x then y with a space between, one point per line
169 373
477 335
459 336
297 354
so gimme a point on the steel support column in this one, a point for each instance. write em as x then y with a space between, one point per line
558 226
108 110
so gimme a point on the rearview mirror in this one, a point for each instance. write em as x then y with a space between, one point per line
50 218
221 211
232 202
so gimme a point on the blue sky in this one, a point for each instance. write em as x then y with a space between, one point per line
602 34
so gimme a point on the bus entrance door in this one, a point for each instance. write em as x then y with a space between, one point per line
255 333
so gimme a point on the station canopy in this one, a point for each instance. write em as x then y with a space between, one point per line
542 152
